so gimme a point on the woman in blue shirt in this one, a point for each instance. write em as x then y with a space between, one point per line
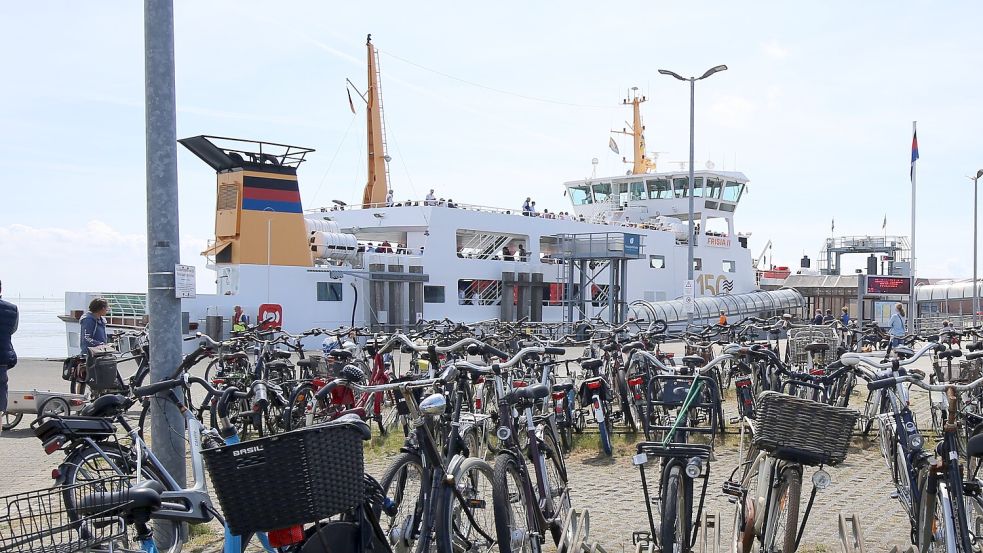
896 326
93 325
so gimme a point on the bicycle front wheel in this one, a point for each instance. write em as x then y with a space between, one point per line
674 532
466 521
404 483
784 524
511 502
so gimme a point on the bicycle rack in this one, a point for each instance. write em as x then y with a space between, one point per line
708 541
576 529
851 537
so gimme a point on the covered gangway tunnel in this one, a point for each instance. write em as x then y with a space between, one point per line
737 306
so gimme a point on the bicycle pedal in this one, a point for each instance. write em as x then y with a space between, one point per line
733 489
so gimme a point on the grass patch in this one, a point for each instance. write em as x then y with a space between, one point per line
384 446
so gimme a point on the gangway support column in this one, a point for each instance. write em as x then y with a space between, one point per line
508 287
163 245
522 297
536 298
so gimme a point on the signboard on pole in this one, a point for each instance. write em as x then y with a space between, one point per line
632 244
888 285
184 281
689 297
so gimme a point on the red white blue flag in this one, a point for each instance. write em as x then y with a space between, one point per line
914 153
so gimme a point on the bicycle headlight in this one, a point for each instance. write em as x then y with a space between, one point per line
503 433
694 467
821 479
915 441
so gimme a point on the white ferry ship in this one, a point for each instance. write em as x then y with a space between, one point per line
386 264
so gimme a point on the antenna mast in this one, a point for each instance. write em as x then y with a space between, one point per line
640 162
377 185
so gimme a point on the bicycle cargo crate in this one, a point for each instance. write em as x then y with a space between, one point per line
293 478
813 433
100 374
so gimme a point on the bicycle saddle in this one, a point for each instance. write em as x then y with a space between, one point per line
104 406
974 355
145 495
693 361
591 364
281 354
950 354
342 354
817 347
974 447
308 363
567 386
975 346
528 393
904 352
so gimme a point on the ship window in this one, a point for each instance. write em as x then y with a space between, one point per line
714 187
657 261
659 189
580 195
637 190
602 191
681 185
732 191
730 266
329 291
433 294
698 187
697 264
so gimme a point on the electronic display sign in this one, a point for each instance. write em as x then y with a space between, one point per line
888 285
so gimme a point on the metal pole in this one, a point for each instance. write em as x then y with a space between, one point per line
163 247
912 306
976 291
692 227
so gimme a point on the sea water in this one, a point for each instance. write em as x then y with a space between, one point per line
40 333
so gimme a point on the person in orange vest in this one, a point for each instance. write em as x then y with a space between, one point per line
723 319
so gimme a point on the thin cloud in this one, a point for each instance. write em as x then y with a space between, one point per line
774 50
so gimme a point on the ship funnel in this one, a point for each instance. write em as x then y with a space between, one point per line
258 213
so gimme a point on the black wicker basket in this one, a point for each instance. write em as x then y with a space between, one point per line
292 478
811 432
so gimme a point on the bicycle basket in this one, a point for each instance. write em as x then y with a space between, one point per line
51 520
964 371
293 478
803 430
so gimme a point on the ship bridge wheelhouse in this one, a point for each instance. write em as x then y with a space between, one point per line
646 197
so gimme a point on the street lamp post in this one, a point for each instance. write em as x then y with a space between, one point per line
976 291
692 103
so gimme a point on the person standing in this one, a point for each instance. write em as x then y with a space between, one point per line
722 321
93 326
896 326
818 319
9 318
389 198
845 316
239 320
431 199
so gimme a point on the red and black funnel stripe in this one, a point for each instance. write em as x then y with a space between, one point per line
266 194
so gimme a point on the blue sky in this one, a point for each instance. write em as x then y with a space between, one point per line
816 109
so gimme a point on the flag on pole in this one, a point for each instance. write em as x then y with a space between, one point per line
613 145
832 226
884 224
914 153
351 104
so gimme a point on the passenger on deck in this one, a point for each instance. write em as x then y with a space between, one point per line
532 210
527 207
430 199
389 199
385 247
507 254
522 252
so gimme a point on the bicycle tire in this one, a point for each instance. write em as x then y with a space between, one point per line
455 532
605 435
785 523
869 414
78 463
626 414
556 478
509 523
405 524
674 527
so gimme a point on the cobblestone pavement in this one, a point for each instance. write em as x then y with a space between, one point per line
608 487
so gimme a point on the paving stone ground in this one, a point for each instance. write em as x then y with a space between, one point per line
608 487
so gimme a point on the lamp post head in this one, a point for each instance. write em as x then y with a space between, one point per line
713 70
979 174
671 74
